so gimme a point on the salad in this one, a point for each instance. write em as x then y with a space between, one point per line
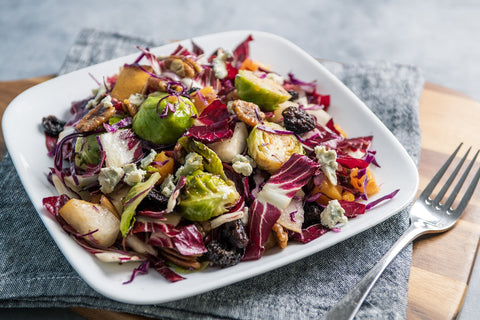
197 160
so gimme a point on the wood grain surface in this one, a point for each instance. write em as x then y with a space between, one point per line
441 264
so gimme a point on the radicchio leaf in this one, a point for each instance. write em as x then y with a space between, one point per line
293 175
186 239
262 217
310 233
216 124
242 52
54 203
352 209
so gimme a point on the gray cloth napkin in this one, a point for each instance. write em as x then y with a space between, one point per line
33 272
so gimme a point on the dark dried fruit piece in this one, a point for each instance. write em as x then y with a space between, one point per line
298 120
220 256
234 233
52 125
228 244
294 95
154 201
311 214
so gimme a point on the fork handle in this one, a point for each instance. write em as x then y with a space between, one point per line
350 303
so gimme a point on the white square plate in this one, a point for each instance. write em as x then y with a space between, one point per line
26 145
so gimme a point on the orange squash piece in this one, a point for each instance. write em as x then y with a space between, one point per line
208 95
166 168
357 183
329 192
131 80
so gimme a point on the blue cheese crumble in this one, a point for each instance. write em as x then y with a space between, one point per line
333 214
109 178
328 161
148 159
193 162
219 65
168 186
243 164
133 175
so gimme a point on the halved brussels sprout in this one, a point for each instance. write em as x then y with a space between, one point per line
211 162
271 150
148 124
86 151
265 92
206 195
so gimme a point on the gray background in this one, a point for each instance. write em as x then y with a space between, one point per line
439 36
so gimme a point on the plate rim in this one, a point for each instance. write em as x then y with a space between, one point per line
20 167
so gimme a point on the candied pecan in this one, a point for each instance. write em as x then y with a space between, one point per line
248 112
182 66
298 120
95 117
188 262
52 125
131 107
281 234
156 84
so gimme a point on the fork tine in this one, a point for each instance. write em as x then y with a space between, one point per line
452 177
433 183
469 193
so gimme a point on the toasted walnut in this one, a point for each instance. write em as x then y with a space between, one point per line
282 235
248 112
95 117
182 66
188 262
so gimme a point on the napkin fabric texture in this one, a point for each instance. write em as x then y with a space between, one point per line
33 272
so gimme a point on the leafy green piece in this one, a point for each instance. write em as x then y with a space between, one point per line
206 195
135 195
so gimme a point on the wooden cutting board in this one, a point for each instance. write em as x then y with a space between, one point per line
441 264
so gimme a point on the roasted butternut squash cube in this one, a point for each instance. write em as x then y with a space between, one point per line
329 191
131 80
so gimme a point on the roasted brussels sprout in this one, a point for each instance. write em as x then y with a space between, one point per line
206 195
155 124
86 151
265 92
271 147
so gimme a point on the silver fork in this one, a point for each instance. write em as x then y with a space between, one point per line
427 216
